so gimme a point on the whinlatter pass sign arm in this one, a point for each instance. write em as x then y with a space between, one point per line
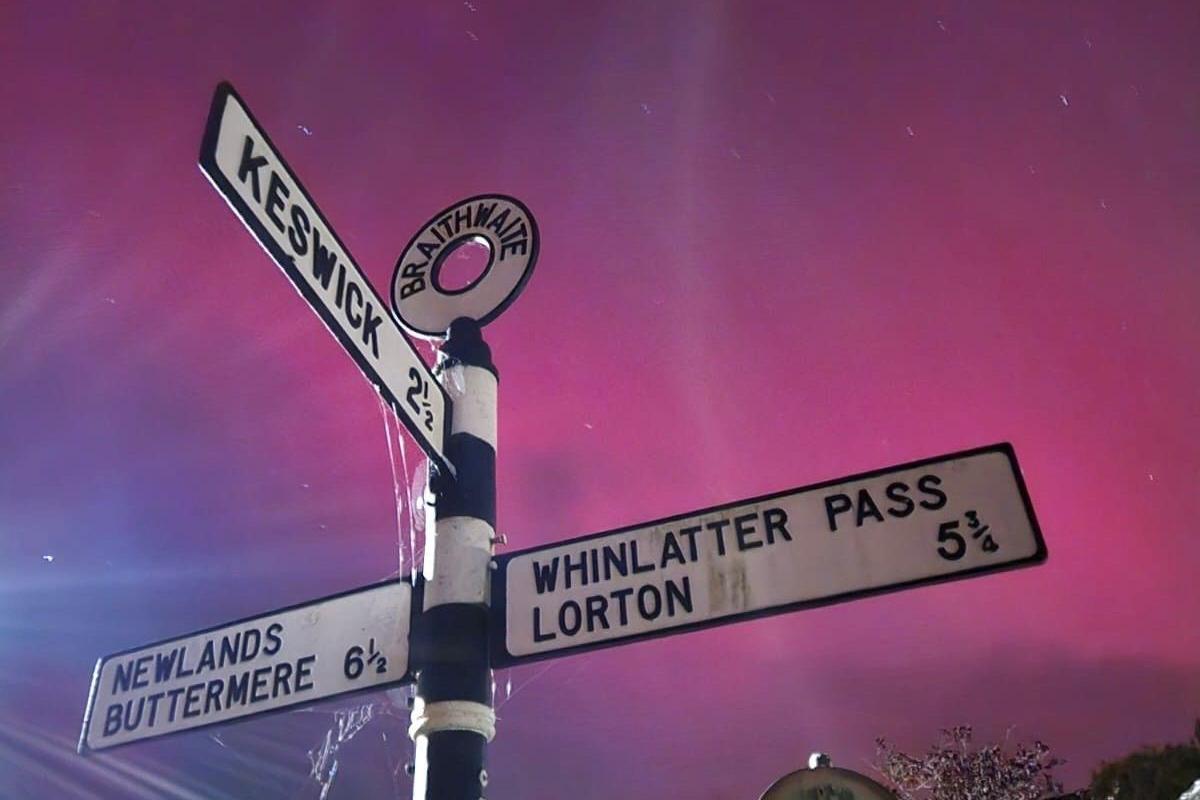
948 517
247 169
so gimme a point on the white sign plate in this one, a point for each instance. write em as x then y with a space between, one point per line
244 166
502 224
295 656
948 517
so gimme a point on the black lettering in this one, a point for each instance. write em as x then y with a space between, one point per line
690 533
428 250
518 246
180 672
538 636
174 695
866 508
744 527
164 665
671 550
462 218
283 673
545 575
238 690
483 213
304 673
212 695
410 288
633 553
597 609
229 648
352 292
617 559
416 279
896 493
298 231
775 521
249 166
576 618
258 685
323 261
341 284
131 722
194 694
497 222
123 677
249 650
154 698
273 640
208 658
112 719
946 533
836 504
370 325
928 485
276 192
581 566
718 527
648 611
515 228
140 672
621 595
682 597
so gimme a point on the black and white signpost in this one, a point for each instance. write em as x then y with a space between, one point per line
954 516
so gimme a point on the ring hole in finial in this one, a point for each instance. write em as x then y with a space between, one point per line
463 264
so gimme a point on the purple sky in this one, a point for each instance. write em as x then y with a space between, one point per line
781 243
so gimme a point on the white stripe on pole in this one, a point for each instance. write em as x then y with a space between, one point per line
473 392
458 564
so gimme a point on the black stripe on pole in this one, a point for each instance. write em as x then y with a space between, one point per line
446 643
449 751
465 345
473 493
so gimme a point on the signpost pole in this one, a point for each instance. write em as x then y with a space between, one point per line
452 716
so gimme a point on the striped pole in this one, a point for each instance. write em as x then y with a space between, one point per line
452 715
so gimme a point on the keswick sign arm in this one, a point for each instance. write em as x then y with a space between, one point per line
468 611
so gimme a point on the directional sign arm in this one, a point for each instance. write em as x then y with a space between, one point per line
939 519
346 643
244 165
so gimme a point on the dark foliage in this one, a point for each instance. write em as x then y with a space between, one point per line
1152 773
953 770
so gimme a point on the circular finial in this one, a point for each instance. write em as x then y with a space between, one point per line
503 225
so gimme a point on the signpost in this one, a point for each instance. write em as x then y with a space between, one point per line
297 655
246 168
950 517
954 516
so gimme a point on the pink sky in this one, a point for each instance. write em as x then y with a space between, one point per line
781 243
